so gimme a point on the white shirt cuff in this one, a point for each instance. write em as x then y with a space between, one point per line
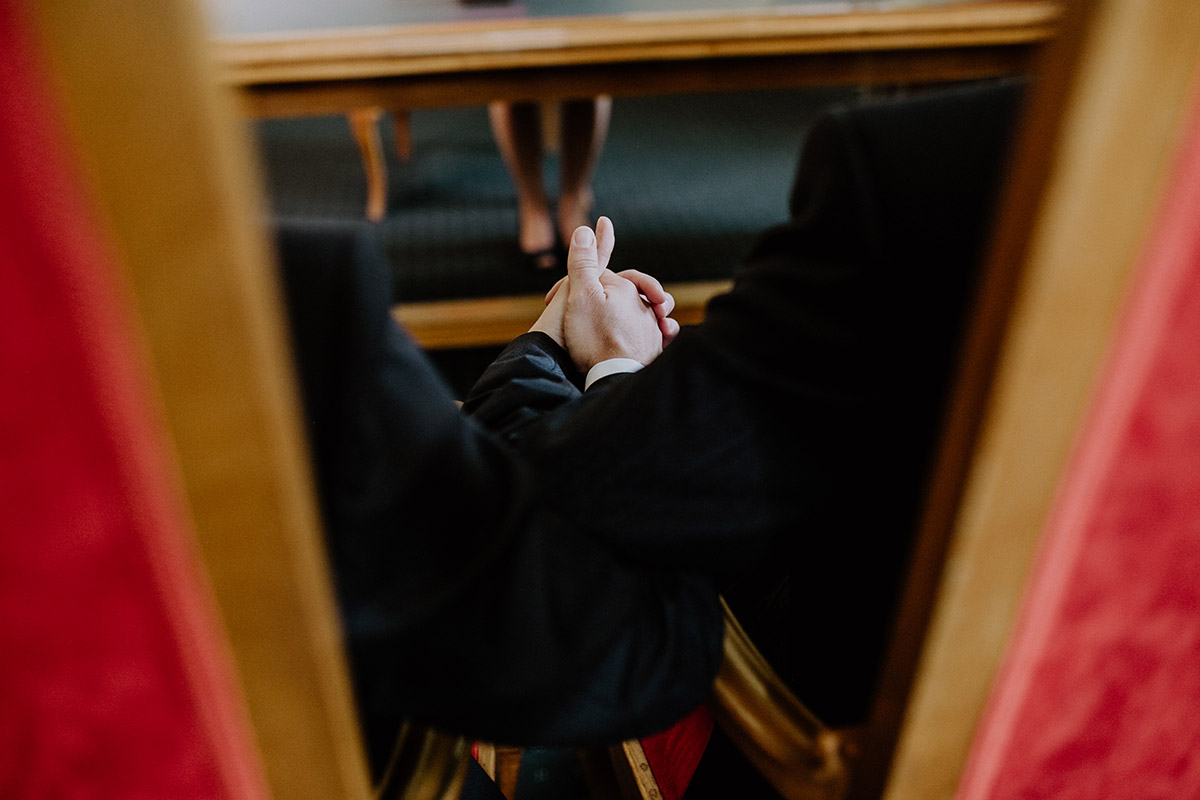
610 366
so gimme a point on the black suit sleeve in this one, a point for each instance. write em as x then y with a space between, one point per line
469 600
531 376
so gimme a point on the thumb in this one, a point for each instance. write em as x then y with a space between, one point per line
583 263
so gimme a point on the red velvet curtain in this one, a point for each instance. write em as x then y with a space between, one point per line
1100 693
114 675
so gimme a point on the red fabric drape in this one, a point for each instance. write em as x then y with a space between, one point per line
1100 693
674 754
114 681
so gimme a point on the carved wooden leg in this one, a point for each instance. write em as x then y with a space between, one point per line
364 123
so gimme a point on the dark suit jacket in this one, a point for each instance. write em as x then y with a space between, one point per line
471 597
782 445
545 571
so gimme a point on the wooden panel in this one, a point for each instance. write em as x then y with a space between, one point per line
1099 138
179 194
469 323
638 78
499 320
596 39
419 66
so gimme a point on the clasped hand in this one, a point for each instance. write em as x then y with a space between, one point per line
598 314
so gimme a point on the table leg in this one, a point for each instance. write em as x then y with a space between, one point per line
403 134
364 123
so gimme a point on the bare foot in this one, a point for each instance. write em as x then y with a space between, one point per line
574 209
535 235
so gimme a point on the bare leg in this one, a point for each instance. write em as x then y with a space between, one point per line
518 133
584 127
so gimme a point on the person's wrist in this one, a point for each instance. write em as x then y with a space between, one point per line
587 359
551 329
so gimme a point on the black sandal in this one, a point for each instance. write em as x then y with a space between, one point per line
542 262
